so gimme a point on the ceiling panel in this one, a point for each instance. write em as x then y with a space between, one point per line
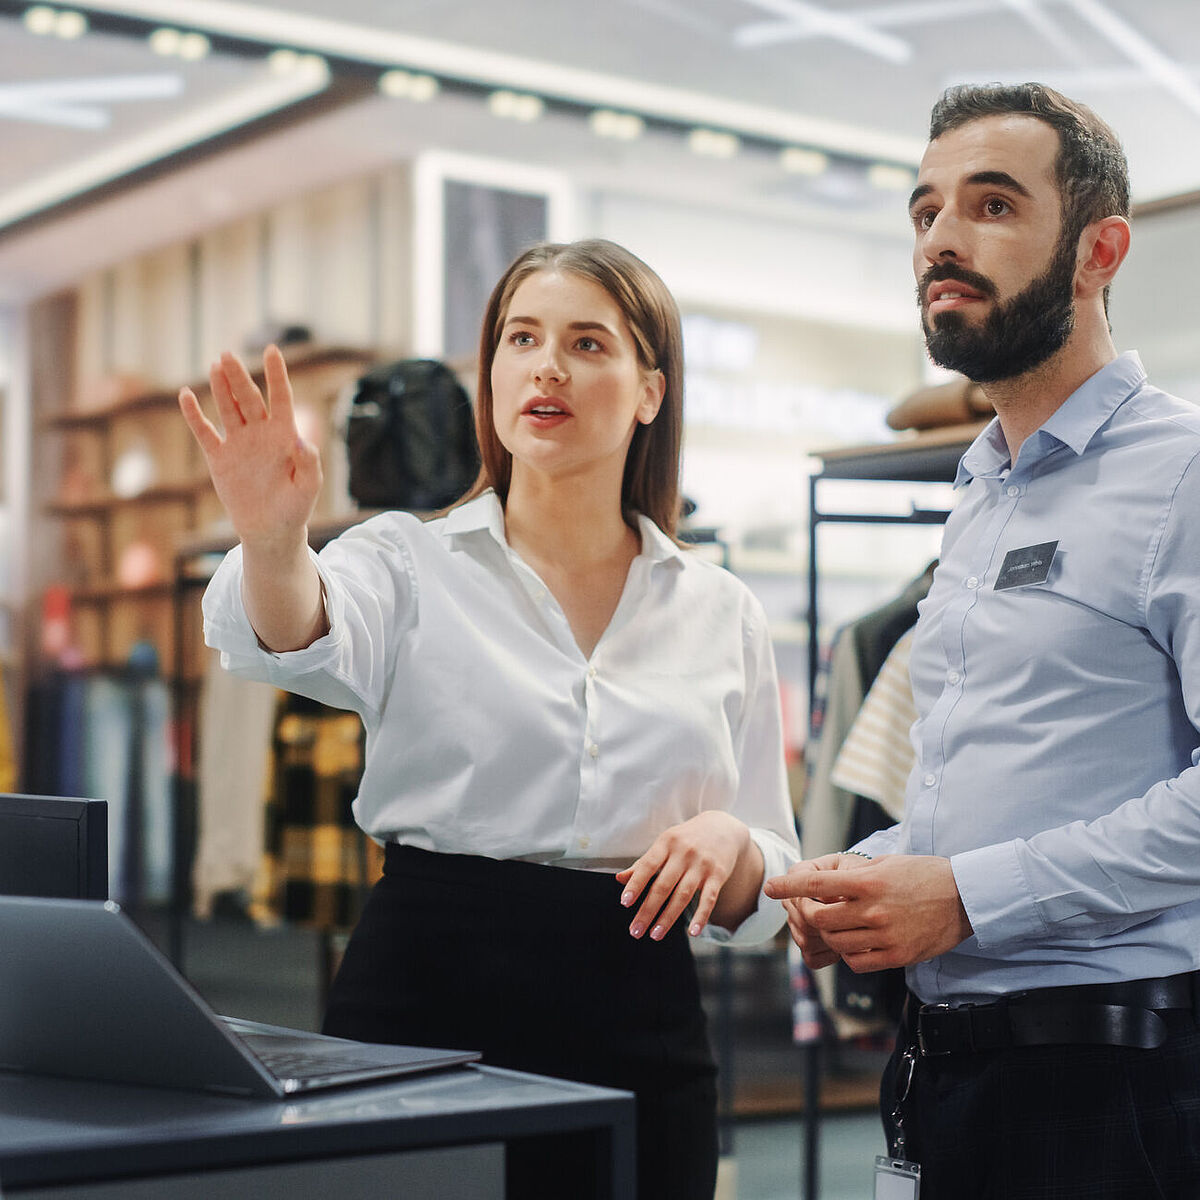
857 76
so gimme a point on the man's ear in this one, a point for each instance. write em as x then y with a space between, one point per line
656 388
1102 249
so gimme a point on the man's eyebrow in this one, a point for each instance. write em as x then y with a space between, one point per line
921 190
1000 179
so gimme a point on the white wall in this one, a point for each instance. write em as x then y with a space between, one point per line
733 260
1152 306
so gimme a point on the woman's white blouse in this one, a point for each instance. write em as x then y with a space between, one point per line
487 730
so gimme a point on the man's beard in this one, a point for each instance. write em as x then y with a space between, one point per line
1018 335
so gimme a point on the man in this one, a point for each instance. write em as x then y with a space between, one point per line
1043 889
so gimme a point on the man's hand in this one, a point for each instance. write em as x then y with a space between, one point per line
890 912
813 948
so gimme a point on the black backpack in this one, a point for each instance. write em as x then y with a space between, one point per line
410 437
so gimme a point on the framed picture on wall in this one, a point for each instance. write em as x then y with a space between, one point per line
473 217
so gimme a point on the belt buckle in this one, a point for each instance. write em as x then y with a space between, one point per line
926 1051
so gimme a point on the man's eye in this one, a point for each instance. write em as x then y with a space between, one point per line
996 207
924 219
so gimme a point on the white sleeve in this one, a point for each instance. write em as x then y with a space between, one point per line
763 800
371 597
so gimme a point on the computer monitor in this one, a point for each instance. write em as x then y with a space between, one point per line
55 846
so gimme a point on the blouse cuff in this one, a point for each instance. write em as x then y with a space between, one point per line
227 628
768 916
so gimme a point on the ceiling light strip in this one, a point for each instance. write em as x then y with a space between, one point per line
242 106
273 26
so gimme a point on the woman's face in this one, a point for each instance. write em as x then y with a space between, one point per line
567 388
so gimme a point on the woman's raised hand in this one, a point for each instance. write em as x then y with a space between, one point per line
265 474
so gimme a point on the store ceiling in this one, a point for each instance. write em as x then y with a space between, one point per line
138 146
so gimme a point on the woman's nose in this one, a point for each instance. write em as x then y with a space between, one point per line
549 368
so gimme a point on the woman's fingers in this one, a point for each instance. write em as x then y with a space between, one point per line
279 387
203 430
244 390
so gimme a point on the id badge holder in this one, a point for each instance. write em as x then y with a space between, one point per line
896 1179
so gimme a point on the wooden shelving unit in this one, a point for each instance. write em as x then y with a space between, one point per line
119 550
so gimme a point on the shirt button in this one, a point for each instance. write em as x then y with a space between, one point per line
1013 490
953 677
584 842
594 750
973 581
929 780
591 672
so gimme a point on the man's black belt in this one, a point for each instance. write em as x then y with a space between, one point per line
1105 1014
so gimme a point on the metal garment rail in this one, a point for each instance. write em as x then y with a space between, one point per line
931 457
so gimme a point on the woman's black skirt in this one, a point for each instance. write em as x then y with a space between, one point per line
534 966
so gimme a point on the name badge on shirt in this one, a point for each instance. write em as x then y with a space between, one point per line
1028 565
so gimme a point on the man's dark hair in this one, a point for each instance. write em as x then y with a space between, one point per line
1091 171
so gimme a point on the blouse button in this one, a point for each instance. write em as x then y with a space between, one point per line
584 842
591 672
594 750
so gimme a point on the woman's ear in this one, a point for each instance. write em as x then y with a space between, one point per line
655 389
1102 249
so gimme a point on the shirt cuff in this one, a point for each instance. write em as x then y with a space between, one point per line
996 895
227 628
768 916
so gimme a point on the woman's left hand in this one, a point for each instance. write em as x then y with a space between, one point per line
694 859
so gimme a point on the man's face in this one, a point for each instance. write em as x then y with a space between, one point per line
995 271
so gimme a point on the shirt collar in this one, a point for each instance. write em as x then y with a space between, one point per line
484 514
1074 423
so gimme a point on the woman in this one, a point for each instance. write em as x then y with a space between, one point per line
574 751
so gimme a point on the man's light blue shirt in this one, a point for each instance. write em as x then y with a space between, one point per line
1056 737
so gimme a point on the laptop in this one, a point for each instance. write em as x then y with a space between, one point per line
85 994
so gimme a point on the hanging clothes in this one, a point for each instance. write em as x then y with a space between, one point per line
319 866
233 778
876 756
8 760
835 816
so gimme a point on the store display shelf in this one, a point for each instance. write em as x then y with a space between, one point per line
101 506
100 418
104 595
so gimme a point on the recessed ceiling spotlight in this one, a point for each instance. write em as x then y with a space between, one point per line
712 143
625 127
888 178
515 106
406 85
283 62
40 19
796 160
70 24
194 46
165 41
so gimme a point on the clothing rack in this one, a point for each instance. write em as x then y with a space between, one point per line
931 456
190 576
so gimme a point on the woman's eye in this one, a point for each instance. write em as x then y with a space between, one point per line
589 344
521 339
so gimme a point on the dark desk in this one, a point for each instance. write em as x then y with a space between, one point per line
440 1135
